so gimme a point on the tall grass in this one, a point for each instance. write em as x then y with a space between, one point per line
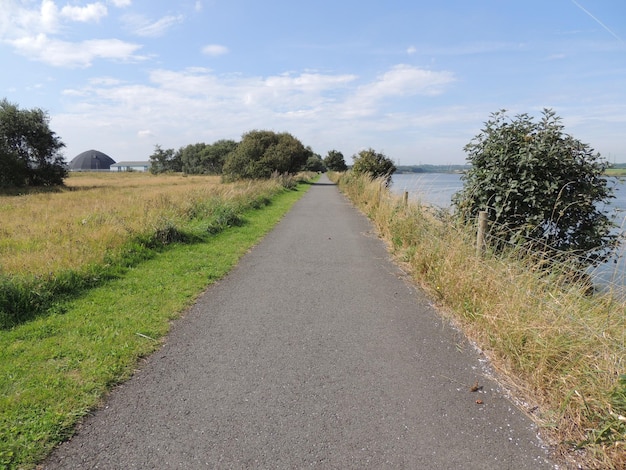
561 350
57 244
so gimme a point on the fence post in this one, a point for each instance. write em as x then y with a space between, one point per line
482 230
405 198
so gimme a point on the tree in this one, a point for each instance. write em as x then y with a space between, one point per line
543 189
314 162
163 161
206 159
334 161
375 164
262 153
29 150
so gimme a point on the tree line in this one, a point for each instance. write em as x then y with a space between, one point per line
260 154
30 154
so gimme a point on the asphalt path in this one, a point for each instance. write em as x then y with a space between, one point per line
314 351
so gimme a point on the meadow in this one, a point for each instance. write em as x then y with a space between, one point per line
55 243
558 349
98 271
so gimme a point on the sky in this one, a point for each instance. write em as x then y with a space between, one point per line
413 79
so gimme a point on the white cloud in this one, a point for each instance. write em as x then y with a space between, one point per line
401 81
105 81
175 108
68 54
142 26
49 15
214 50
16 20
121 3
145 134
33 33
411 50
198 6
405 80
90 12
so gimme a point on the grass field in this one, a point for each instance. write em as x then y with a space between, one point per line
561 350
56 366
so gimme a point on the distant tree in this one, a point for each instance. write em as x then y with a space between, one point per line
375 164
163 161
192 158
334 161
543 189
314 162
29 150
206 159
262 153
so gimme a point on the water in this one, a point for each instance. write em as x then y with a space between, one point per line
429 188
437 189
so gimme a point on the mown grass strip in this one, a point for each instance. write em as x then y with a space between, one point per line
56 368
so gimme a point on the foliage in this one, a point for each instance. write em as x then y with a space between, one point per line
163 161
262 153
334 161
375 164
314 163
207 159
29 150
542 188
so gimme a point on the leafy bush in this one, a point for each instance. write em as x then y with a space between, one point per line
262 153
376 165
543 189
334 161
203 159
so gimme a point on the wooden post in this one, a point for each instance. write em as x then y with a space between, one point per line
482 230
405 198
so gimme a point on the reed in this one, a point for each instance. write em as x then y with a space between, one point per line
558 349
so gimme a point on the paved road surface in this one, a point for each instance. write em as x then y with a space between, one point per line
313 352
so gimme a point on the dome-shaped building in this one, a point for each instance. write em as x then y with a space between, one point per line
91 160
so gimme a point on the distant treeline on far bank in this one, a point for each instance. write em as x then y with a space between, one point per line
615 169
432 168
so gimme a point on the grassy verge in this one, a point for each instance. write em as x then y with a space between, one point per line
56 367
562 351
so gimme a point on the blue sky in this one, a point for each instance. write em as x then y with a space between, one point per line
413 79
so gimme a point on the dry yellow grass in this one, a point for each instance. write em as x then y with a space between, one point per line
559 349
47 232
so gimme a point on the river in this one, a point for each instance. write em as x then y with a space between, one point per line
437 189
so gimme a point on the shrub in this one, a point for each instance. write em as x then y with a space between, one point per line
542 188
375 164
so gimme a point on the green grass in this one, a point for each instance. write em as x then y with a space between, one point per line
56 368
